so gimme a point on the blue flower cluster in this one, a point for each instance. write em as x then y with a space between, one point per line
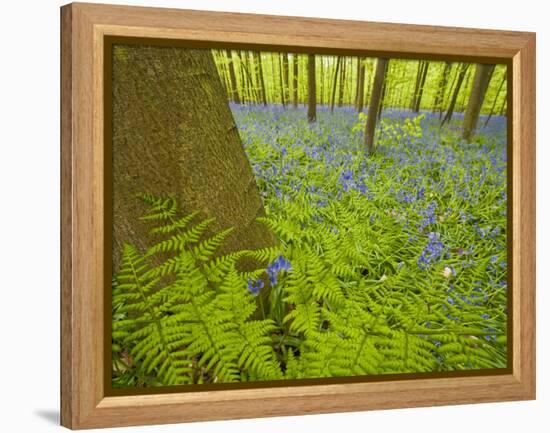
433 251
274 268
445 195
349 183
255 286
428 216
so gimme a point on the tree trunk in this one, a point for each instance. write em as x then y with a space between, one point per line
374 105
417 83
174 134
222 71
383 97
482 78
342 83
492 111
285 76
503 107
321 86
281 80
232 78
248 83
438 103
465 95
456 91
254 76
311 89
333 97
295 79
418 96
261 77
360 85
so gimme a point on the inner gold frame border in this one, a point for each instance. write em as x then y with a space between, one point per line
87 30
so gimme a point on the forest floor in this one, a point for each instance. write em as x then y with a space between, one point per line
423 219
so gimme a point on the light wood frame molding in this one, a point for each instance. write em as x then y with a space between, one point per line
83 28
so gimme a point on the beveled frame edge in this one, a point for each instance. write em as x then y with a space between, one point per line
83 404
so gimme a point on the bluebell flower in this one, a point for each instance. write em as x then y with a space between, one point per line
362 188
278 265
420 193
428 215
404 197
255 286
432 252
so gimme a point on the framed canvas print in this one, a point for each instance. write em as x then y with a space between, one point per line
267 216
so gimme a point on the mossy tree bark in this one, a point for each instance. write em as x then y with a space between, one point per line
173 133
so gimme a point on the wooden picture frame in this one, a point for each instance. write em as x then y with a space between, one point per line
84 27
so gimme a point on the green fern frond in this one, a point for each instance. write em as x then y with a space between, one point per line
160 209
178 225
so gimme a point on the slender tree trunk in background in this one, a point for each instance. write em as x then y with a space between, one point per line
350 94
480 85
368 83
248 83
360 85
254 89
295 79
382 98
241 80
274 79
462 104
244 90
342 83
492 111
261 77
304 83
321 81
503 107
333 96
223 71
281 80
374 104
357 73
438 103
453 75
232 78
456 91
286 78
254 72
311 89
418 97
399 89
417 84
187 146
